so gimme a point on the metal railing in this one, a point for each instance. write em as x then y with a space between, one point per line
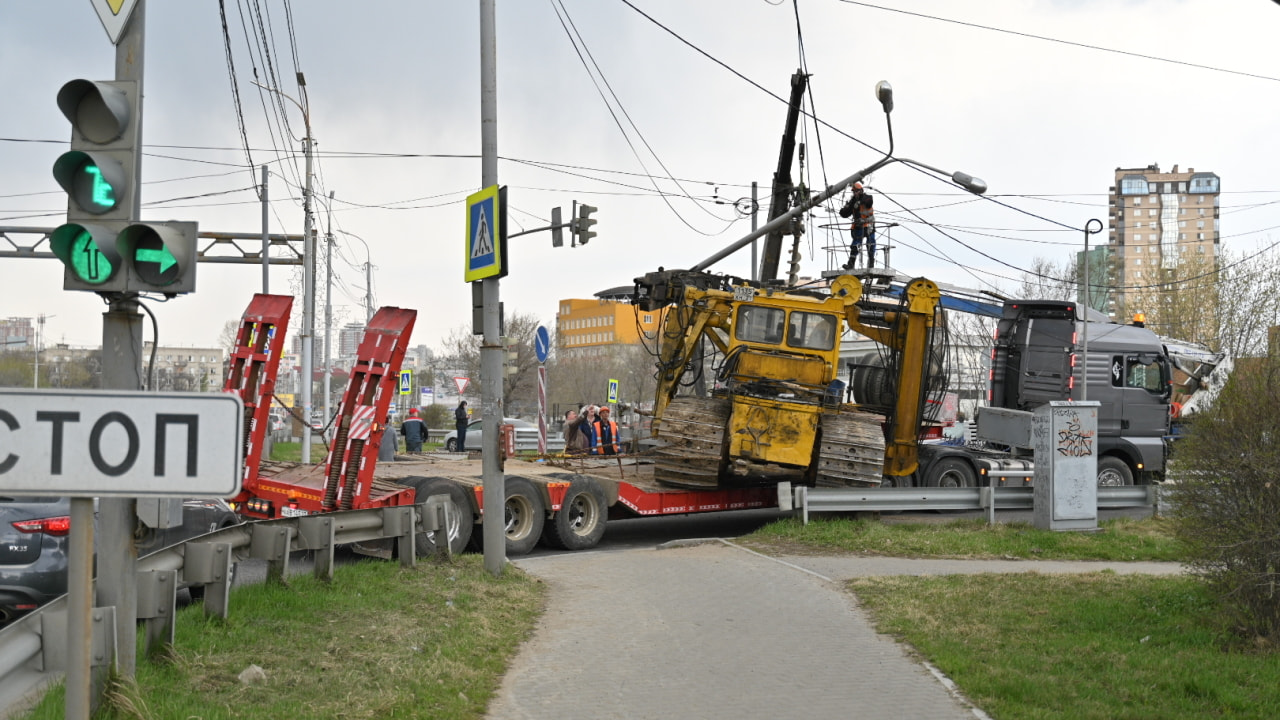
889 499
33 648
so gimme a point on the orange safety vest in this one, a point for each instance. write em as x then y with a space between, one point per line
613 438
863 214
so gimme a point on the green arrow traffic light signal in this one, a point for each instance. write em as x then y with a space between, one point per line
94 183
89 254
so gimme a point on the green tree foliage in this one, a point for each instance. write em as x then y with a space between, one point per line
438 416
1227 498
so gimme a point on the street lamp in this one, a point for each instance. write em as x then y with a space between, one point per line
309 267
884 93
368 276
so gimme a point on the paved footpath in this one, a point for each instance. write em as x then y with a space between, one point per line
712 630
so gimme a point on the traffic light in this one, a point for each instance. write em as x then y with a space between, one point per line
582 222
101 250
510 355
162 256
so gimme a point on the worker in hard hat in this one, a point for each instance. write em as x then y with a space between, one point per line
415 431
863 228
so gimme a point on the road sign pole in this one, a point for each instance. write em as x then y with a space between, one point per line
79 699
494 532
542 409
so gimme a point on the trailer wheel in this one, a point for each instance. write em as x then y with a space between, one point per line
580 523
1113 472
523 516
460 523
951 472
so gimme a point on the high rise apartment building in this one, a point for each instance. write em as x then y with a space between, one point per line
1160 222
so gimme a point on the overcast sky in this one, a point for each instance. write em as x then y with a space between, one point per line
1043 99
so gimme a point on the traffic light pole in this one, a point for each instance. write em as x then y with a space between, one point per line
121 370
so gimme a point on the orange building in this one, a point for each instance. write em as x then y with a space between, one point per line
588 327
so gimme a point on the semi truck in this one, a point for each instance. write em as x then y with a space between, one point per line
1039 355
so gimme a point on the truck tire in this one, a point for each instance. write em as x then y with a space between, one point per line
897 481
524 516
461 520
951 472
580 523
1113 472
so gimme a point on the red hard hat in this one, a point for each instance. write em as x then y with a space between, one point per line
413 411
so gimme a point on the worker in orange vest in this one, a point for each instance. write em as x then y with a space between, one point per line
863 228
604 439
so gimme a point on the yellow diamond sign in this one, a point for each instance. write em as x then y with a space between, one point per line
114 15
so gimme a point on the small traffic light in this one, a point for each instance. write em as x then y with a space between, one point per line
582 222
510 355
102 250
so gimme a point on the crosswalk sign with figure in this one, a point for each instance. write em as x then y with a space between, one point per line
486 248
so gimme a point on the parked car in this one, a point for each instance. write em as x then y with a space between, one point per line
33 546
526 436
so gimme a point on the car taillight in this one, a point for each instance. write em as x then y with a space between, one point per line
55 526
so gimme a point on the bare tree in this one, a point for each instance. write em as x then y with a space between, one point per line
1225 303
1248 301
520 386
227 338
1049 280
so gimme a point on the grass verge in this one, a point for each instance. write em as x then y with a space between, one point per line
1116 540
427 642
1078 646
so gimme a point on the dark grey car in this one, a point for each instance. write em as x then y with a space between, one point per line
33 546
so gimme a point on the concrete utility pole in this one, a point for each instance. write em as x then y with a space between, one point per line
328 307
495 541
308 291
266 235
308 267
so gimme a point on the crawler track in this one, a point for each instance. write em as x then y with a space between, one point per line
694 430
852 451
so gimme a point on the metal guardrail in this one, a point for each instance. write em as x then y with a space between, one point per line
887 499
33 648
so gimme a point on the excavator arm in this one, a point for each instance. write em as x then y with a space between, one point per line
907 332
685 324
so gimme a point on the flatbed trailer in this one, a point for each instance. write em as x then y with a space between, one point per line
563 503
567 503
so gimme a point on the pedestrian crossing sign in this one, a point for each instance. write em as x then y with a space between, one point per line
406 382
486 247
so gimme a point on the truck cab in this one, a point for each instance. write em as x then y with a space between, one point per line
1039 356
